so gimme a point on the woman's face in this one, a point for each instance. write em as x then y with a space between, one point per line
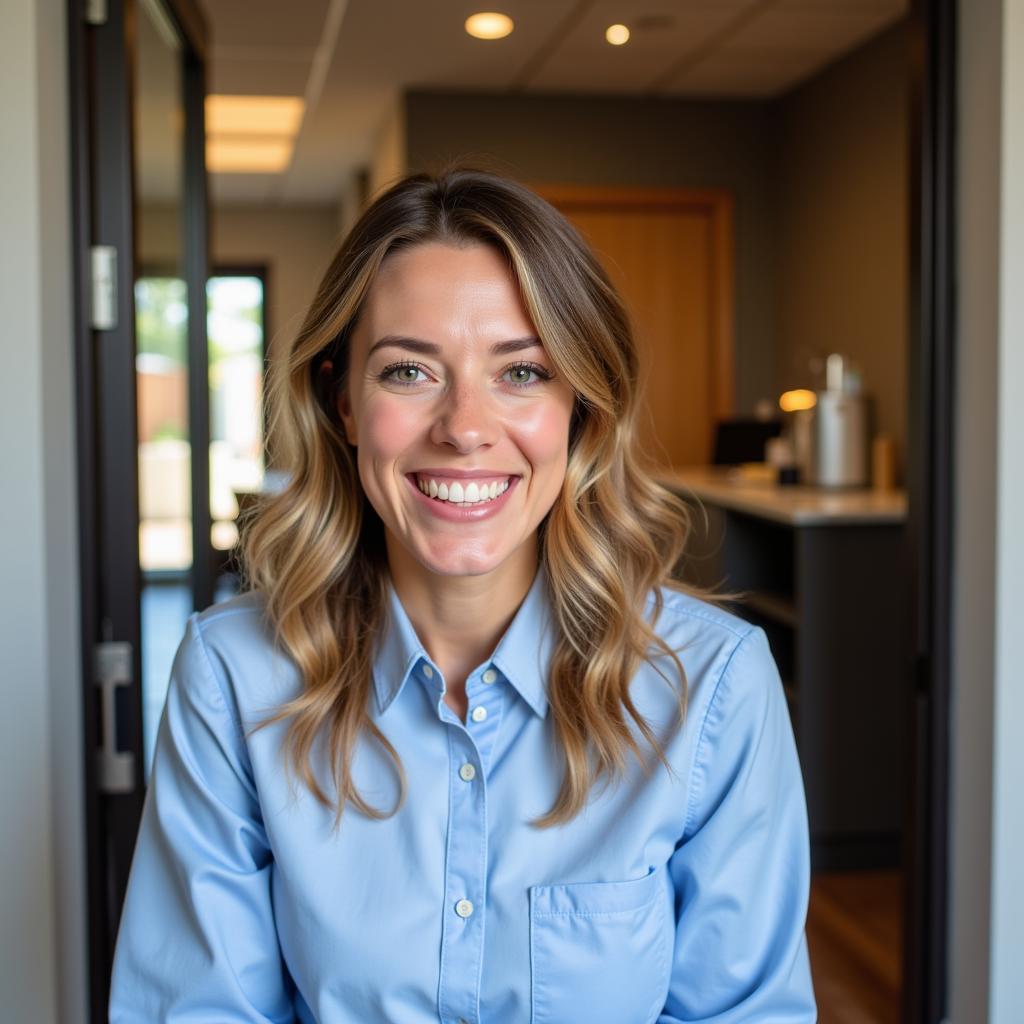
449 388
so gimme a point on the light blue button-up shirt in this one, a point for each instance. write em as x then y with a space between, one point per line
675 897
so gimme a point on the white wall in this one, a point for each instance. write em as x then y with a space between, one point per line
42 828
987 771
1005 972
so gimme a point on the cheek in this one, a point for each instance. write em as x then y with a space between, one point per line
386 428
543 435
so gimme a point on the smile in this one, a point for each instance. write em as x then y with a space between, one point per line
462 492
462 500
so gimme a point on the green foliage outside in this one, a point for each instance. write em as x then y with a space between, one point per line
161 321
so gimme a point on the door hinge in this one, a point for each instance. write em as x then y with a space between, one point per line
104 287
115 763
96 12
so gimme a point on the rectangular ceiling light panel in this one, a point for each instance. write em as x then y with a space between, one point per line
253 115
247 155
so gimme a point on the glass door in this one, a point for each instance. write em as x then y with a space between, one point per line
143 401
162 318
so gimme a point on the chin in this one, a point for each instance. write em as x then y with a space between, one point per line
461 565
454 558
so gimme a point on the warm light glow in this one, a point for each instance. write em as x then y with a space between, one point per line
617 34
253 115
489 25
242 155
794 401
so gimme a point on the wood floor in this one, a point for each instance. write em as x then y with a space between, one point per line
854 935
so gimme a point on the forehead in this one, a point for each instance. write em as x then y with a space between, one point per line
444 287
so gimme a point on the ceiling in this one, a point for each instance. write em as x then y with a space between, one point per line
349 59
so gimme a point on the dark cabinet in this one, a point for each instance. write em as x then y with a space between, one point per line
832 592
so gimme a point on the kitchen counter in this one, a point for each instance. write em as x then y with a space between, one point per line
795 505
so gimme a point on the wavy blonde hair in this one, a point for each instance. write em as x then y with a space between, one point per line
316 549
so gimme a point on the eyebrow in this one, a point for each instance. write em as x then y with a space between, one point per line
428 348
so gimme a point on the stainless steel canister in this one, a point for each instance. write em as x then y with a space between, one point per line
839 436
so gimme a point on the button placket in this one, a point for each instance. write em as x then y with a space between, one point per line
465 880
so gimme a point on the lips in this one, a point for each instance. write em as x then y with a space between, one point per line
462 474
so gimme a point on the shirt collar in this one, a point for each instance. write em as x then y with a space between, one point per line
523 655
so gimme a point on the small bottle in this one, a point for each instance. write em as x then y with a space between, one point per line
883 463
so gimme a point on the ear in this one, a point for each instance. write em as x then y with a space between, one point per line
347 418
343 405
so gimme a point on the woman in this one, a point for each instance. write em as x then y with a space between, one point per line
528 776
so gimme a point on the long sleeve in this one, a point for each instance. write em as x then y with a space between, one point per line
197 939
742 868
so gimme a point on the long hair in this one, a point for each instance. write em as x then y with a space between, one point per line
613 536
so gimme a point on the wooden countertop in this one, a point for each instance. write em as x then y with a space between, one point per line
796 505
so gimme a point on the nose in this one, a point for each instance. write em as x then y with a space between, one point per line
465 418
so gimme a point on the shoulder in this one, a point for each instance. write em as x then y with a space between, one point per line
730 670
682 605
691 623
238 618
236 641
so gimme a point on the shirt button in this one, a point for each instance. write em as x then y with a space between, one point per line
428 671
479 713
463 908
490 675
467 773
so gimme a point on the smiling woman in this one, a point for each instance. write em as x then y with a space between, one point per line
470 574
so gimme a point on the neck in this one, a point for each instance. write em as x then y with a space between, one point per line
460 619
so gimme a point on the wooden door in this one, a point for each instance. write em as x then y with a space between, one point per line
669 253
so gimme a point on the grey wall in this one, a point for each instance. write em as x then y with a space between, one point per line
42 835
627 141
842 273
986 835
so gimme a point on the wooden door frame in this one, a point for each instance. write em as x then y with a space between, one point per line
715 203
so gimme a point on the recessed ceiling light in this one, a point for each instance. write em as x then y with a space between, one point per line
253 115
617 34
489 25
238 155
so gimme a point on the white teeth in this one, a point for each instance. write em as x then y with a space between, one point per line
472 493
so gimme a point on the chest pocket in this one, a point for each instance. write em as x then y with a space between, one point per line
599 951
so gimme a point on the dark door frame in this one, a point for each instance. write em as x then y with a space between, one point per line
101 53
930 479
